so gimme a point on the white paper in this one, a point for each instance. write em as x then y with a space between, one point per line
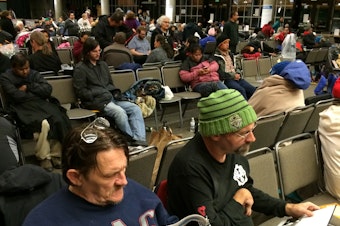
321 217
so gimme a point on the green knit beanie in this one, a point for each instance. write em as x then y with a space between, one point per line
224 111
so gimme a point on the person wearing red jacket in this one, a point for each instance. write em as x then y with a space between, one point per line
267 29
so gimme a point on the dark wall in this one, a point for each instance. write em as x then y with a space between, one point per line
21 8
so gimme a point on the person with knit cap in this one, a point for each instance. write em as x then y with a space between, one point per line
200 72
210 175
283 91
228 74
329 133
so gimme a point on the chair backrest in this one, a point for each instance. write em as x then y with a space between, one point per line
240 46
141 166
264 124
317 98
249 68
210 48
65 56
311 56
149 72
170 76
155 64
271 43
313 121
321 56
115 57
56 40
123 79
47 73
295 122
72 39
263 171
169 153
264 66
175 62
298 164
62 89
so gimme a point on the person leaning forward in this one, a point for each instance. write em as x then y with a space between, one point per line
98 192
209 176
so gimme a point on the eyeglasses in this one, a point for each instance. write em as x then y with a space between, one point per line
89 133
245 135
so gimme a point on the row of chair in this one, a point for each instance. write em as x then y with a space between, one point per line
257 68
168 75
286 124
294 164
142 164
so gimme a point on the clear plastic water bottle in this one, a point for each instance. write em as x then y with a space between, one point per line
192 125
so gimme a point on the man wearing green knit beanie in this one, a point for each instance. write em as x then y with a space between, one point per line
210 175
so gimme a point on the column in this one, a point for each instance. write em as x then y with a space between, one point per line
105 6
170 9
58 9
267 11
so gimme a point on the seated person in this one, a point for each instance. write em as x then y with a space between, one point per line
162 52
50 44
78 46
9 154
139 46
93 85
27 93
228 74
210 38
183 52
250 52
98 191
21 187
209 175
42 58
200 72
119 48
283 91
329 127
4 63
326 80
308 38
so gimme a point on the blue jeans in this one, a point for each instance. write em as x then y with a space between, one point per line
205 88
128 118
242 86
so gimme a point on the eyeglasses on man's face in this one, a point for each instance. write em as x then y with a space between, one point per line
246 134
89 133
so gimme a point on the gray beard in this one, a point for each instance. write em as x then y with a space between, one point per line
243 150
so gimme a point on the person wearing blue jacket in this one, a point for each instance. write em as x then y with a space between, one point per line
98 191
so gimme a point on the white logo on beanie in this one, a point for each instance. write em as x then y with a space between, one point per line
240 175
235 121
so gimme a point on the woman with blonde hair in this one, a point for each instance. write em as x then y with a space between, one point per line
42 57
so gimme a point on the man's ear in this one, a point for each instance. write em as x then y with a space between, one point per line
74 176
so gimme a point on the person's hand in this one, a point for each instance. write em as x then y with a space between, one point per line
244 197
237 77
300 209
203 71
23 88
